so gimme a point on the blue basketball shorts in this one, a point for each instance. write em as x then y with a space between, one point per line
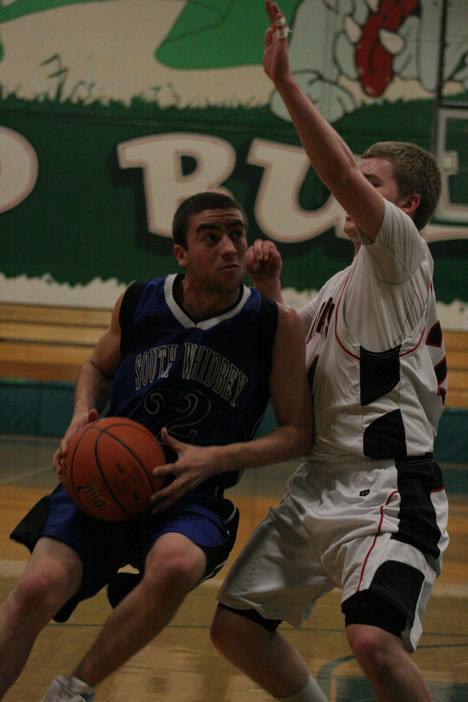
105 547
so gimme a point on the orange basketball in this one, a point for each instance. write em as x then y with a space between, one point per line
108 468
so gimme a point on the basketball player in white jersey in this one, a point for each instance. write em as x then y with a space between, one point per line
366 511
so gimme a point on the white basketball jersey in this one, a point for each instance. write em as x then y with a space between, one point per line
375 350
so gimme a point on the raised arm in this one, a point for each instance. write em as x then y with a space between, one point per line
94 383
329 156
291 399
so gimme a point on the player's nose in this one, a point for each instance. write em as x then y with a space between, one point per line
227 246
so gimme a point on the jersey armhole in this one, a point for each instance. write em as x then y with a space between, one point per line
130 302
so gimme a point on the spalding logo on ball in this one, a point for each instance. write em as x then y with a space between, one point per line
108 468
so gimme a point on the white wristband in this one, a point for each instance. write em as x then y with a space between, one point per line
282 29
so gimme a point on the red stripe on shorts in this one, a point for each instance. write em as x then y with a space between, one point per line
382 507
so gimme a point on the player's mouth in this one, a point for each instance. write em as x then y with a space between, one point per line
377 41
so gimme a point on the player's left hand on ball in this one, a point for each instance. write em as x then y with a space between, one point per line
79 421
194 465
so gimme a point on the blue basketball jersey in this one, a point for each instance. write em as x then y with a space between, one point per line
207 381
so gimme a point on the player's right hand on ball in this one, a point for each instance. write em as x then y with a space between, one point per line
78 422
194 464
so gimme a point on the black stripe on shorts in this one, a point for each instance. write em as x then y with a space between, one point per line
418 477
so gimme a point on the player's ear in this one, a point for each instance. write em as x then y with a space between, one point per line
180 254
410 203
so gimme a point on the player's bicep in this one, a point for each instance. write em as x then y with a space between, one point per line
361 202
289 387
106 354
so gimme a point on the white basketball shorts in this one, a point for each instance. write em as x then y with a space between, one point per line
370 525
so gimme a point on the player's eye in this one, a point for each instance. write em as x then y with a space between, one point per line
374 181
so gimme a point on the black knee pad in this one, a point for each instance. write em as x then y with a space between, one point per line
269 624
368 608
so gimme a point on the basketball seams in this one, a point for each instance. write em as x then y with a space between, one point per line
103 476
71 481
137 458
94 462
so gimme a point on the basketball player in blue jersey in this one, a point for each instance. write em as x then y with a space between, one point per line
195 358
367 511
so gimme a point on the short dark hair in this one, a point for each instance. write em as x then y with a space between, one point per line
194 205
415 171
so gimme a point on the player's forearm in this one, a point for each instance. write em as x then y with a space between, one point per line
92 389
329 155
285 442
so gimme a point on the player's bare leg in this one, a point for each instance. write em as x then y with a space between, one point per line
266 657
392 673
51 577
173 567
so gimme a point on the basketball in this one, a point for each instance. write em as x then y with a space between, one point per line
108 468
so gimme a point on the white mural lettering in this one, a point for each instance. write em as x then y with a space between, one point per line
165 184
277 209
18 168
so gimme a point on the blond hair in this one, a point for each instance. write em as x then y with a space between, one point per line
415 171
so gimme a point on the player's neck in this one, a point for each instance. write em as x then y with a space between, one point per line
200 303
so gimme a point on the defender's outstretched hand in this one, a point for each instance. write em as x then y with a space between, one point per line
275 56
264 266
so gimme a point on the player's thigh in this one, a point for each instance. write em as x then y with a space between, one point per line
394 547
207 529
278 573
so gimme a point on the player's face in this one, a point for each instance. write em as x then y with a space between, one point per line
379 173
214 256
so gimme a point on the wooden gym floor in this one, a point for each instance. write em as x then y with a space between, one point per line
181 664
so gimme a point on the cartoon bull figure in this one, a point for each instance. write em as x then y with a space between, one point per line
343 51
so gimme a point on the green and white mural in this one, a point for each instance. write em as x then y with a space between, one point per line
111 111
